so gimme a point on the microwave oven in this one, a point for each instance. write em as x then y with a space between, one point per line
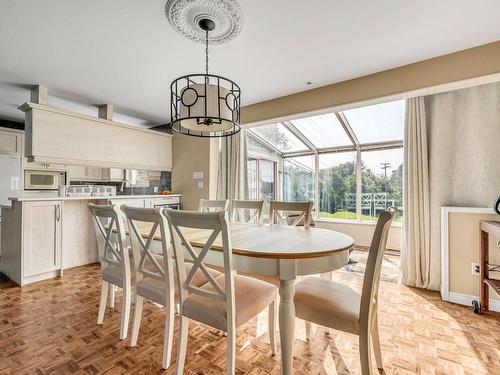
43 180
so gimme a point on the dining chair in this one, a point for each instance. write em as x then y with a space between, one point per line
247 211
114 259
224 302
211 205
154 270
338 306
290 213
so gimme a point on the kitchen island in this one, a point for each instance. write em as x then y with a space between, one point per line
44 234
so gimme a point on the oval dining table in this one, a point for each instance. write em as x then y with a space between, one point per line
279 251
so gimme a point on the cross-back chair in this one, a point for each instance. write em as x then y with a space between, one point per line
247 211
338 306
114 258
290 213
154 270
213 205
224 302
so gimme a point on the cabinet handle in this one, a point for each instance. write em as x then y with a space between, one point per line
58 212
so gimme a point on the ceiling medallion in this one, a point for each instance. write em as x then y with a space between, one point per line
205 105
185 15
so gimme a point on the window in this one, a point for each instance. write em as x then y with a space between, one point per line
349 163
323 131
337 185
280 137
378 123
267 179
298 179
252 179
382 182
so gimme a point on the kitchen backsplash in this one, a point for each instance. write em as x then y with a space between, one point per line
143 187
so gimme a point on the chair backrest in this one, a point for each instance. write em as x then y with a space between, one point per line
147 263
290 213
214 224
213 205
369 294
111 238
247 211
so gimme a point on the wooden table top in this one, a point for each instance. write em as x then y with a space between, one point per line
270 241
491 226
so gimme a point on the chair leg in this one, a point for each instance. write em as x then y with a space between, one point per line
112 290
102 303
181 350
308 330
169 335
365 353
127 296
231 351
272 315
376 343
139 302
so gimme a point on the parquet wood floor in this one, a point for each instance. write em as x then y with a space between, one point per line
50 328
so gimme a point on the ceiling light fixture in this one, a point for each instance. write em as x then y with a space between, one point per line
205 105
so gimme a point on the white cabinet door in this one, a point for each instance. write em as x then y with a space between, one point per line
112 174
77 173
41 237
93 173
129 202
10 142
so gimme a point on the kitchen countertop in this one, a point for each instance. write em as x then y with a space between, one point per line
34 198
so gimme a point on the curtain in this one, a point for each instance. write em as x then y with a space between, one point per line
415 256
232 170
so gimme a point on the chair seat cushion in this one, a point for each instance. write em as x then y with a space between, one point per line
113 274
328 303
155 289
251 297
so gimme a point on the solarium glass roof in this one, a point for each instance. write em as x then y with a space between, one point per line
342 131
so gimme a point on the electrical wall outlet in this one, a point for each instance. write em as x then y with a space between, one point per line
475 268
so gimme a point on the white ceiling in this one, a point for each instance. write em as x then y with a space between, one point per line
124 52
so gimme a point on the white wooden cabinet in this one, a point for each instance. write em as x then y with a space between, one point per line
32 241
96 174
112 174
59 136
129 202
42 240
93 173
77 173
10 141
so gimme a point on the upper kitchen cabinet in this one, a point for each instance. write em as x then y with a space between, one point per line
55 135
11 141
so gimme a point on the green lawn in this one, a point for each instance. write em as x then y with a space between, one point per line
352 215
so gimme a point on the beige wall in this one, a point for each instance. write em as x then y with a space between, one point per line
362 233
464 242
463 65
193 154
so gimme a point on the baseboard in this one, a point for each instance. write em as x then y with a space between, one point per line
466 299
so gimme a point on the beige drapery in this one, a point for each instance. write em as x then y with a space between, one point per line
232 169
415 256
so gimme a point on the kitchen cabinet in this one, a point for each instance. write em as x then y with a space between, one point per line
112 174
11 141
43 166
95 174
141 203
55 135
42 238
77 173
